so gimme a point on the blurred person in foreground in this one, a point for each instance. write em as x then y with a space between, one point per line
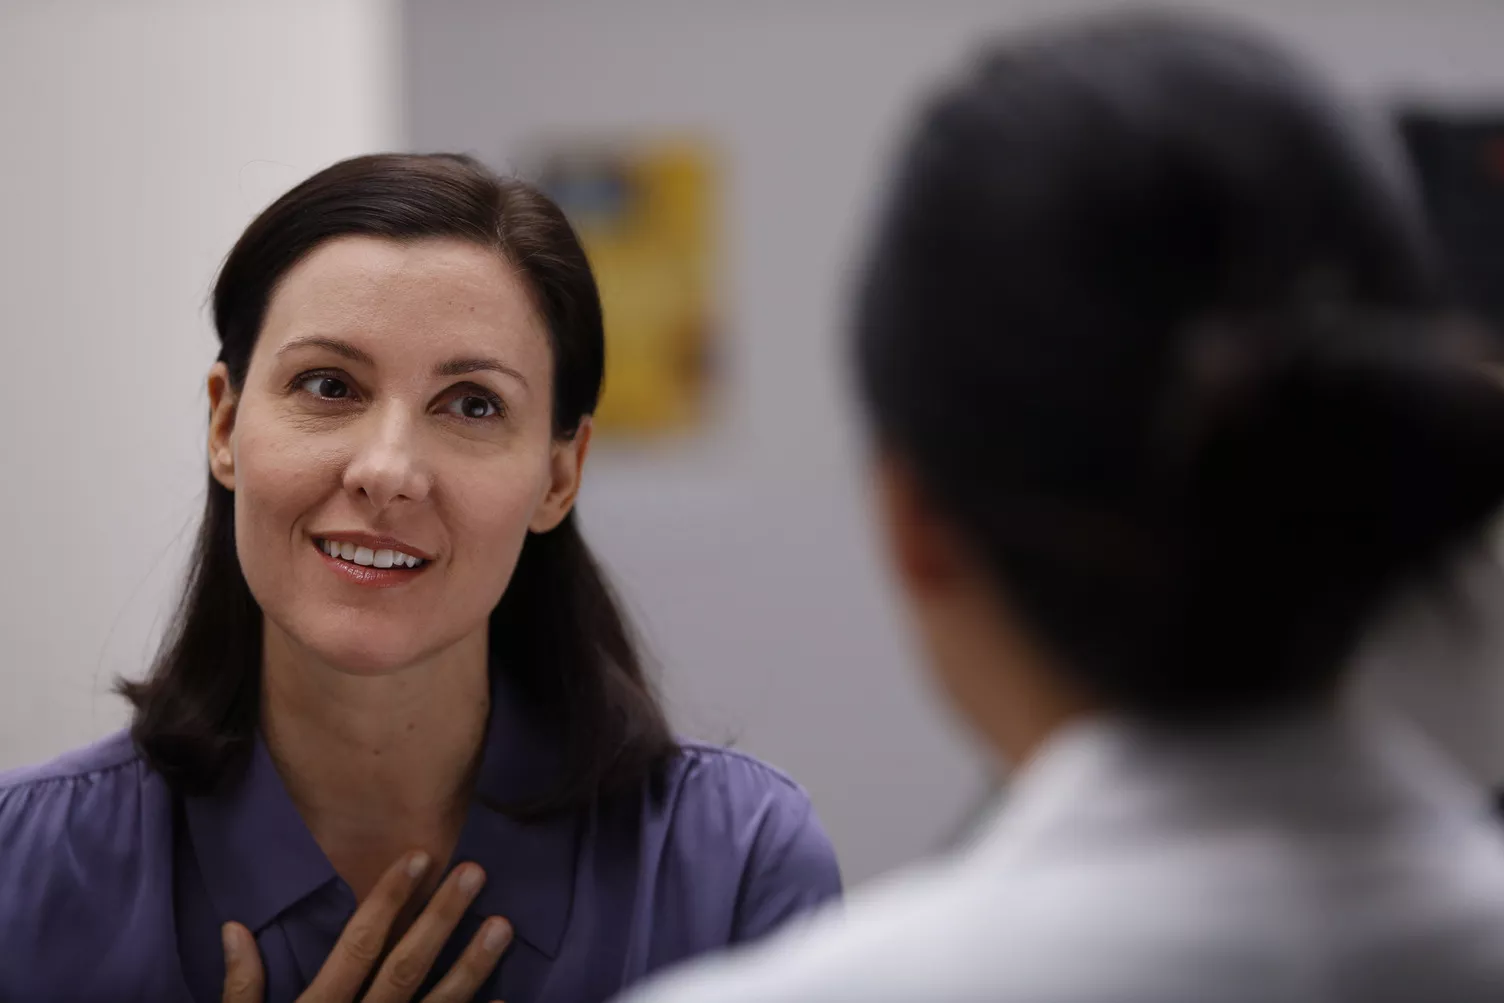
1167 402
400 725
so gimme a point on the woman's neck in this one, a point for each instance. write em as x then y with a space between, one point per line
376 765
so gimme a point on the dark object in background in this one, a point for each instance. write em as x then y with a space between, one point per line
1458 158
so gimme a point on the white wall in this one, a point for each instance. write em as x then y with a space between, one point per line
748 556
139 137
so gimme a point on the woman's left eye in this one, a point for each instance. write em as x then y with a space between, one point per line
474 406
324 386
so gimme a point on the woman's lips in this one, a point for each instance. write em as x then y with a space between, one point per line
364 548
364 567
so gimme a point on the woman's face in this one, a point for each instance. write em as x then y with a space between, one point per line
391 449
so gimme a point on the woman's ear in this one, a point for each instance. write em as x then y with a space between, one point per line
566 466
926 553
222 403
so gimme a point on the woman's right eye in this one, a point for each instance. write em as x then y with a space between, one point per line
325 386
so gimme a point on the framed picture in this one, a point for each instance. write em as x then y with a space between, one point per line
647 210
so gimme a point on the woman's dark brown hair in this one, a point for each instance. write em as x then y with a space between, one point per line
557 632
1156 322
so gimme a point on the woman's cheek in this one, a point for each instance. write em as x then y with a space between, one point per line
491 513
282 480
283 476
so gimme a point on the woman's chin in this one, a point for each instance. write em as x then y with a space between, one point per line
370 645
368 655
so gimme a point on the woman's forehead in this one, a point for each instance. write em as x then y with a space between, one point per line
407 298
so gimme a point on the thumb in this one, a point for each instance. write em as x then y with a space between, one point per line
244 980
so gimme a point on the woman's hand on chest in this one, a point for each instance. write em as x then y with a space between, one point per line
361 947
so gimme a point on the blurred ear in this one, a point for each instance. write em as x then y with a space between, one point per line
999 678
927 553
566 468
222 403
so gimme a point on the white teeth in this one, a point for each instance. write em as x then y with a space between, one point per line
367 556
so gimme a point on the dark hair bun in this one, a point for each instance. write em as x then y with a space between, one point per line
1157 323
1314 465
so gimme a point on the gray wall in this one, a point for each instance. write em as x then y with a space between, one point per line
748 554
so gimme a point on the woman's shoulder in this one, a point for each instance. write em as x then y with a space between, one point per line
88 765
76 791
719 786
84 818
85 872
727 805
734 773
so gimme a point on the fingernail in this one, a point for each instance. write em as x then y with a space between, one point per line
497 936
471 880
231 942
417 865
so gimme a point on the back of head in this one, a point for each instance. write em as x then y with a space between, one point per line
1154 321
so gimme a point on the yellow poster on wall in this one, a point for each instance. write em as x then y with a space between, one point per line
646 211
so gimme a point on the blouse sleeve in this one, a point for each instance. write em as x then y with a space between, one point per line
792 868
76 878
747 840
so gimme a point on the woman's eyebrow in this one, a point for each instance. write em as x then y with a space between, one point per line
479 364
453 367
334 345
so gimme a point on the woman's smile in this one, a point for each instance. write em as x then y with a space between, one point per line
378 562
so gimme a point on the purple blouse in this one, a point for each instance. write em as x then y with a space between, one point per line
114 888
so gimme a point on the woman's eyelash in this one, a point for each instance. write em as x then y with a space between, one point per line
336 380
477 392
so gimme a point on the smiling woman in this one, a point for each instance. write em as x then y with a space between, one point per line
395 646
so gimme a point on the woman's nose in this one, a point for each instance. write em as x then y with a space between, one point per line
386 467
